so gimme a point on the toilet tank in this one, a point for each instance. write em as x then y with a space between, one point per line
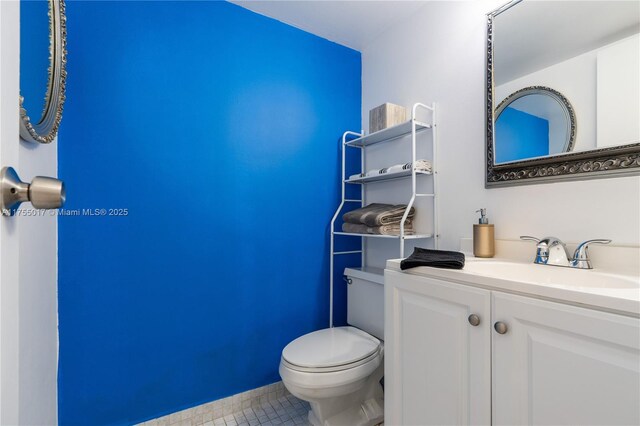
365 300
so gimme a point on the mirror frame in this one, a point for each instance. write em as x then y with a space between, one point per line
569 114
46 128
598 163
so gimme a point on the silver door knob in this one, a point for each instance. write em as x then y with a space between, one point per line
500 327
474 320
42 192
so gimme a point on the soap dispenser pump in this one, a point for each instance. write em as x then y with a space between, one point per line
483 236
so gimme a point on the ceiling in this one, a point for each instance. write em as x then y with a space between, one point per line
528 36
354 23
536 34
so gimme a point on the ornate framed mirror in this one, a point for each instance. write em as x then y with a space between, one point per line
563 97
42 68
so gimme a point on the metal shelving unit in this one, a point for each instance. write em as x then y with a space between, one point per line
350 139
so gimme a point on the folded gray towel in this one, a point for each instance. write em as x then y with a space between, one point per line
393 229
377 214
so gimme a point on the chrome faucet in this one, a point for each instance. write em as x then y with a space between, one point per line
552 251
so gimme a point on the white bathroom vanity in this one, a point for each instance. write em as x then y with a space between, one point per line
508 342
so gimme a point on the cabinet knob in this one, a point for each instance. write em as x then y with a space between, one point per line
500 327
474 320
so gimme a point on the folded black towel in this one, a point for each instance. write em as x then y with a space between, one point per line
436 258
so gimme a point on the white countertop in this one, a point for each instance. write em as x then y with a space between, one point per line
596 289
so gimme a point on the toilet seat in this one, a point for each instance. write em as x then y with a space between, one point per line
343 367
331 349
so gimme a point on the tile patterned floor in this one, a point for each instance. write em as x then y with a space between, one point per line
267 405
284 411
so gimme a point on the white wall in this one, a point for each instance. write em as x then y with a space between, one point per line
439 55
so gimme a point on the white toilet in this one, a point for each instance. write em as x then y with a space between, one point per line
338 370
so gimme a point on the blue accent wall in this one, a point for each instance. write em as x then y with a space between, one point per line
218 129
520 135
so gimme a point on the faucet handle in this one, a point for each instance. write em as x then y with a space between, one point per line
550 251
581 255
528 238
542 249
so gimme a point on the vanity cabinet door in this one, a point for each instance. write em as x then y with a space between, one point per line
558 364
437 364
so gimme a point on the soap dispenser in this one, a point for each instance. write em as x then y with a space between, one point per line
483 236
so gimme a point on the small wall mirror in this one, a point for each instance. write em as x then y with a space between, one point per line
42 68
563 91
534 122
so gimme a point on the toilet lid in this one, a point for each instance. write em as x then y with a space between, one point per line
330 347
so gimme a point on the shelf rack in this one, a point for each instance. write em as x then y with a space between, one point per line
351 139
385 177
394 237
388 134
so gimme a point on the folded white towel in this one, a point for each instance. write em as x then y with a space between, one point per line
421 165
395 168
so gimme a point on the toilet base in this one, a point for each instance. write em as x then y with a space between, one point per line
364 407
370 413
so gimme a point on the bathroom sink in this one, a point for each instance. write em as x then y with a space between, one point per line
551 275
613 290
